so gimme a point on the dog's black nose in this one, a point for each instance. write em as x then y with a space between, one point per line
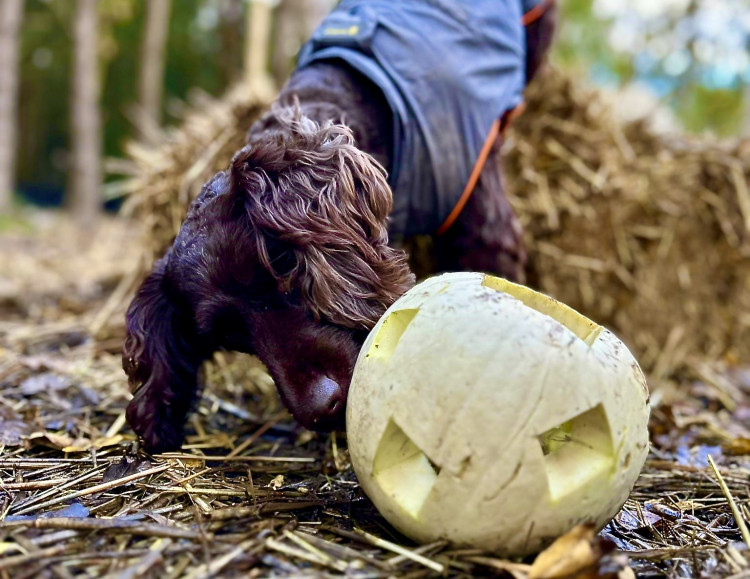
325 408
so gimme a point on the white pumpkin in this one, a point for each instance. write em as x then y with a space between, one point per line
493 416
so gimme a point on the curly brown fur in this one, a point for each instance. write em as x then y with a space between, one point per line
333 230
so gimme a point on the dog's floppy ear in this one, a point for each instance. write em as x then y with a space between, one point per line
349 274
161 358
317 207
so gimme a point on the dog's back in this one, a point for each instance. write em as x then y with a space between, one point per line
448 70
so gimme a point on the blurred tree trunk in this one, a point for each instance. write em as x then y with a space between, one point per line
316 11
230 34
286 41
153 56
257 39
295 22
11 14
86 164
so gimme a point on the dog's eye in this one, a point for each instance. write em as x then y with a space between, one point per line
283 262
281 257
292 297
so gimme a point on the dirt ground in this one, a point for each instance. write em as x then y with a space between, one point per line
251 493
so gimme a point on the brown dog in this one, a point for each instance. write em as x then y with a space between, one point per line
285 255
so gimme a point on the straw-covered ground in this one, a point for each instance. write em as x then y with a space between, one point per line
252 494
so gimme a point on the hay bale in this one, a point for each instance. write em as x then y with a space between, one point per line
170 173
646 234
649 235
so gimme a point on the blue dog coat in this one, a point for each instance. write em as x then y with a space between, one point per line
448 70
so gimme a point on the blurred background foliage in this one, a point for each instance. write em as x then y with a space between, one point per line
688 58
204 51
691 57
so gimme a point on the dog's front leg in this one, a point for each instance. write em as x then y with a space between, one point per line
161 356
487 235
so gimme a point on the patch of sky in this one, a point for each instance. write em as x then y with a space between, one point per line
712 43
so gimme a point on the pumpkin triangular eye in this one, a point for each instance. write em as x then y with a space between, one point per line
576 451
403 471
389 334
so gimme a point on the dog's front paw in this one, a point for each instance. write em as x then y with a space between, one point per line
156 426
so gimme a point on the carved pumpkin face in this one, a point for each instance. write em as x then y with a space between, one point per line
493 416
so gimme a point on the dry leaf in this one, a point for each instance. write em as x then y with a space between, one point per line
738 447
568 556
46 382
182 462
277 482
13 432
126 466
58 440
581 554
84 444
73 511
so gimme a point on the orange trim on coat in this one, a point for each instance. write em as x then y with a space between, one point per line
536 12
473 178
511 116
497 129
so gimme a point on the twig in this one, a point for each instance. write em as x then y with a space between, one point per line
262 509
499 565
126 554
383 544
344 552
31 485
211 568
257 434
732 505
29 503
299 553
116 425
436 546
339 565
95 489
154 556
115 299
743 195
132 527
41 462
669 553
9 562
222 458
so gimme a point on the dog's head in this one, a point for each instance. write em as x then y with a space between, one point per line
284 256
